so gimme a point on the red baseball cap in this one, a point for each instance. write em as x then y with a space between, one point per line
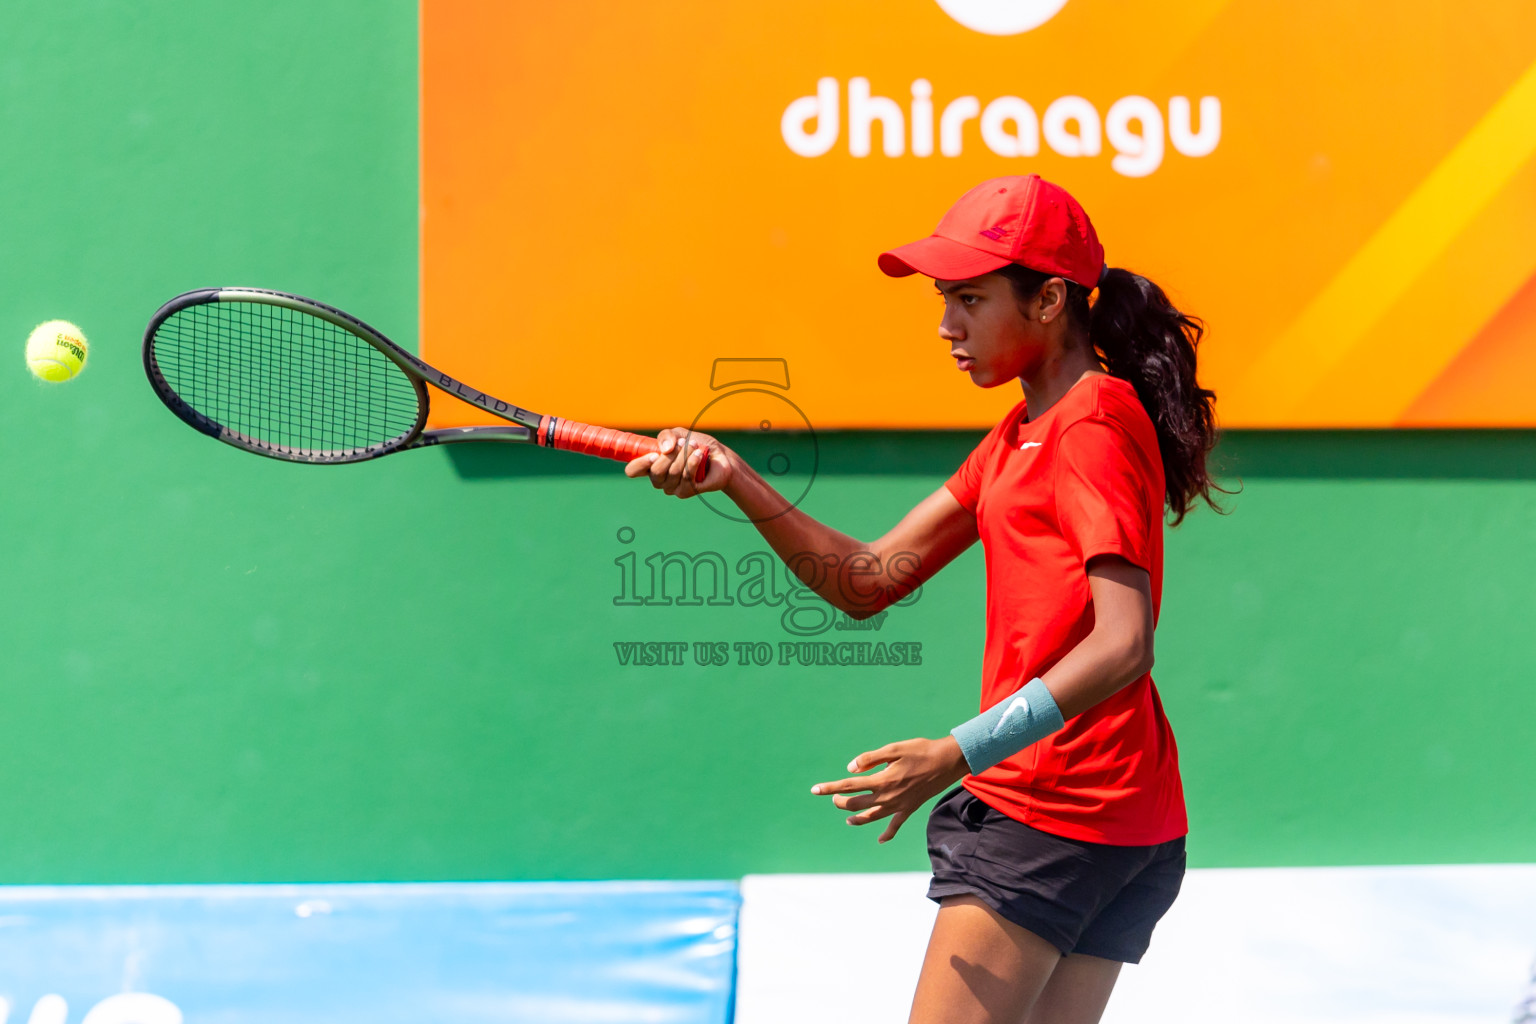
1019 219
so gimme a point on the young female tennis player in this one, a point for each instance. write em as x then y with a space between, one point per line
1064 844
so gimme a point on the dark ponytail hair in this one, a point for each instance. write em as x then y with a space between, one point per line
1140 337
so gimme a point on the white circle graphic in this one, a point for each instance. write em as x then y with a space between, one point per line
1002 17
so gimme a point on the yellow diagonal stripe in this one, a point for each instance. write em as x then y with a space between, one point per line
1383 270
1456 296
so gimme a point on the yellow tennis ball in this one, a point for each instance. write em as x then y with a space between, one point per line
56 350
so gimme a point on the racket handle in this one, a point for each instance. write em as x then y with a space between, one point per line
604 442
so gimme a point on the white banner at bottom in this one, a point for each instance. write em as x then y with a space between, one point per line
1392 945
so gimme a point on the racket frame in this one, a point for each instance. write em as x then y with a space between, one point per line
526 429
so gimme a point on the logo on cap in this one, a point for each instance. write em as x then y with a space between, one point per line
997 232
1001 17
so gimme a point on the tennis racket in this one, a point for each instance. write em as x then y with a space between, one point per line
294 379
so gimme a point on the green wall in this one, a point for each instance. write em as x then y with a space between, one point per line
222 668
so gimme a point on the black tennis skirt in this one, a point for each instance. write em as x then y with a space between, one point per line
1088 898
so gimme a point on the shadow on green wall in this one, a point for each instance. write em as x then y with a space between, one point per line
1379 454
838 453
1243 454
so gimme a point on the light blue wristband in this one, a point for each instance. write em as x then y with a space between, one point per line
1008 726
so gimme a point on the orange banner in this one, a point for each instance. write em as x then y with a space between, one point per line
617 195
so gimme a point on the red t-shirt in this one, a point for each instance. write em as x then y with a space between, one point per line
1083 479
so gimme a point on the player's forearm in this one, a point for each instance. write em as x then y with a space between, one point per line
843 570
1102 665
1092 671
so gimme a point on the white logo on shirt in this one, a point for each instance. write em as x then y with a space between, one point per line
1019 704
1028 444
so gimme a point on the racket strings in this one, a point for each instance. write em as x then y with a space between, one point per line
287 381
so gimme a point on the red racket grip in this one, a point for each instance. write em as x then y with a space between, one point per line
604 442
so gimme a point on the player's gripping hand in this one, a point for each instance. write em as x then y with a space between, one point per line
675 467
915 771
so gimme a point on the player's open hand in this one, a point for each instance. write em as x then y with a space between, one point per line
915 771
675 468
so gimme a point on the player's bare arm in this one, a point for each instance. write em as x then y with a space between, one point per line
863 577
1117 652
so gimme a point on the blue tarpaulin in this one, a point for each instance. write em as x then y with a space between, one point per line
542 953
